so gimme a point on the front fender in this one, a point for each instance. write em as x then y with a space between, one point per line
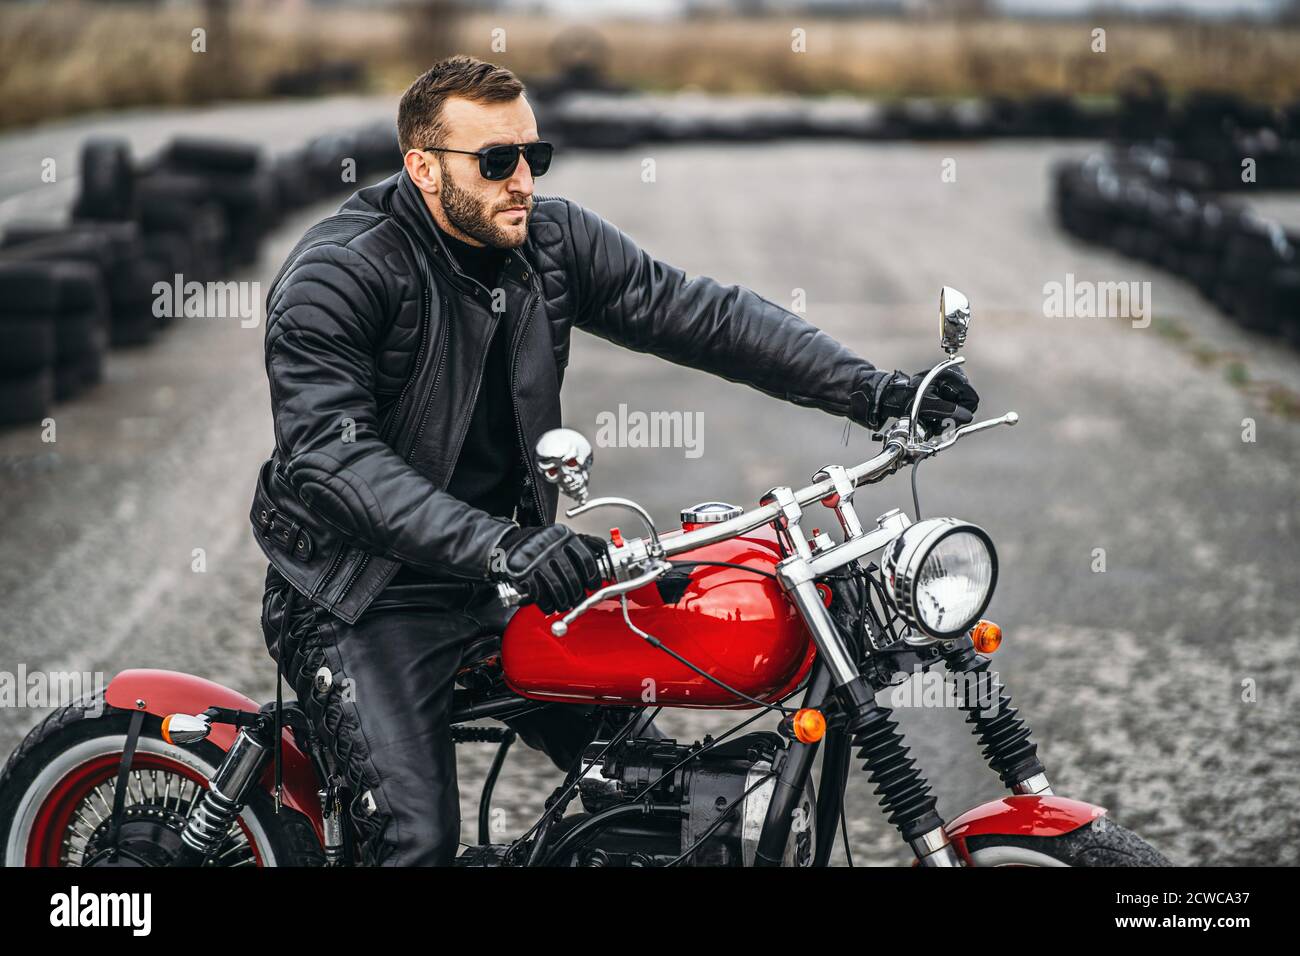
162 692
1043 816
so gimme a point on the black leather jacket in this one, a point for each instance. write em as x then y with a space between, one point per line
375 344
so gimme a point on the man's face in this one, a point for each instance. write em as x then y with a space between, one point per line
487 212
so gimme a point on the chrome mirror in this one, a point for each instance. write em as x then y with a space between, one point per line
564 457
954 313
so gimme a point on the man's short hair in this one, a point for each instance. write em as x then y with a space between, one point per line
419 115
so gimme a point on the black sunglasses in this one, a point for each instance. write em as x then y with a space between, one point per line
498 162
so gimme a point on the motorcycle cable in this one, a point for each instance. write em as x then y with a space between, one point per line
722 817
887 618
916 500
844 831
713 742
655 642
289 595
860 633
724 564
560 801
659 645
577 770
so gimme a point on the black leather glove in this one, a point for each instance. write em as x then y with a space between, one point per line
950 399
554 565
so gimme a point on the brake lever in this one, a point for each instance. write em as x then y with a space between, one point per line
1010 418
926 382
561 627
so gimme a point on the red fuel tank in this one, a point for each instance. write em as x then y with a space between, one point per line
735 625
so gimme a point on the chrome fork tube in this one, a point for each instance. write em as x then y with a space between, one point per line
797 578
808 600
1037 786
933 849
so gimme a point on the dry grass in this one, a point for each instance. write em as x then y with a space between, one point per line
70 57
902 57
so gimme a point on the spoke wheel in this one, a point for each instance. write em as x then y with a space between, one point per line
72 823
57 790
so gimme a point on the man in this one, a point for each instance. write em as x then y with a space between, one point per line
416 342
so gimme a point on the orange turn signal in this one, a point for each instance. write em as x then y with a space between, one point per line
986 636
166 725
809 725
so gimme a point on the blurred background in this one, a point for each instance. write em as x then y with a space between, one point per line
68 57
844 160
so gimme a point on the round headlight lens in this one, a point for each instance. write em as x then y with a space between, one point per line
940 574
954 583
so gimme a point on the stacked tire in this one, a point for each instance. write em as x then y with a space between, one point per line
1258 282
227 184
335 163
52 335
198 209
118 251
1144 204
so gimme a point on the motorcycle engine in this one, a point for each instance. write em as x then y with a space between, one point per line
686 803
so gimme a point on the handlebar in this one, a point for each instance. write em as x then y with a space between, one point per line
896 454
899 449
866 473
872 470
904 443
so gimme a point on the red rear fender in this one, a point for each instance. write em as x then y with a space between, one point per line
161 692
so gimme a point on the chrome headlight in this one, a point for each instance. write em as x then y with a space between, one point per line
940 575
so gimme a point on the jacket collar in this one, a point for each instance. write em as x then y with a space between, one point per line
408 207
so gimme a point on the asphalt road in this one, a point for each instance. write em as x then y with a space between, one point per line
1130 441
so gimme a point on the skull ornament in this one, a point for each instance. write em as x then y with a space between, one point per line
954 315
564 457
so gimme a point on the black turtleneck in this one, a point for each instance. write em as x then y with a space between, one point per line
480 262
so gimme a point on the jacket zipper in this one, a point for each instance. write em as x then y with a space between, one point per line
442 357
514 400
437 373
473 399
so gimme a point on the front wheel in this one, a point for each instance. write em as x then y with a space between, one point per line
57 790
1100 843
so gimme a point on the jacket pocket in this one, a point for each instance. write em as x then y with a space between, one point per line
300 546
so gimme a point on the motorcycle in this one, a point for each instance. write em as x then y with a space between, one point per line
736 610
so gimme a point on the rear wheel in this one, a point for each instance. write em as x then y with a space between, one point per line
57 792
1100 843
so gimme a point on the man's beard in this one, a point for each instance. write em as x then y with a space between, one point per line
471 215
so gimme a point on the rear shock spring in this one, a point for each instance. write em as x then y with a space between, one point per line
903 791
209 822
1004 736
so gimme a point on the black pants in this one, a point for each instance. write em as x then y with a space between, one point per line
386 716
